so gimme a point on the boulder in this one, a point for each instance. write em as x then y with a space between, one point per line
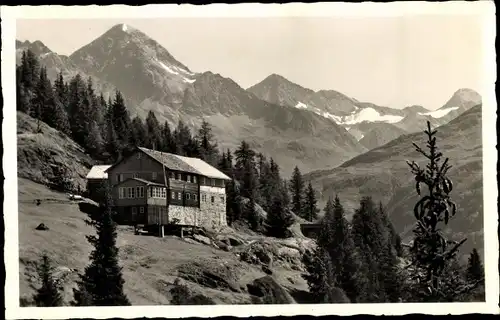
267 270
269 291
181 294
202 239
42 227
211 273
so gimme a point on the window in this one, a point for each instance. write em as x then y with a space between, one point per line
195 196
150 192
213 182
134 210
155 192
188 196
153 175
204 181
204 197
188 178
121 193
120 177
172 175
222 199
141 209
178 196
172 194
179 176
130 193
136 175
164 192
213 199
194 179
140 192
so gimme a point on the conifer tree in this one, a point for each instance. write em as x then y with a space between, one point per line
208 145
234 211
431 250
279 217
49 294
112 145
390 233
121 123
251 214
297 191
266 184
318 265
183 137
102 282
245 170
168 141
368 237
153 132
139 133
475 269
310 210
390 279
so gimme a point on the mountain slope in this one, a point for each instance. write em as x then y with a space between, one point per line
350 113
150 78
383 174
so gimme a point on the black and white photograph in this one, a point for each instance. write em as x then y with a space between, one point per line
325 157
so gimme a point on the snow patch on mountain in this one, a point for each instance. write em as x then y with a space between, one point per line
170 70
361 137
184 71
438 113
301 105
124 27
371 115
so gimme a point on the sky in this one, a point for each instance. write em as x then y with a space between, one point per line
390 61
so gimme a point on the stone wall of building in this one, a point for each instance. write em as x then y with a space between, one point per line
209 215
212 213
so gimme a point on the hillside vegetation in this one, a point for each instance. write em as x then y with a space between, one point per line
383 174
45 155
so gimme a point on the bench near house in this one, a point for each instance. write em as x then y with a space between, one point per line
156 188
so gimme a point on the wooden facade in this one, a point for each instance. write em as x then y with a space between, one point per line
143 190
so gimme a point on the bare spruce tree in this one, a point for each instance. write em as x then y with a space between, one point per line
432 253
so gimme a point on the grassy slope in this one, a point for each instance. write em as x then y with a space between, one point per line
149 263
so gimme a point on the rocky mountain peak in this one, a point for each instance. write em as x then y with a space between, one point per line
463 97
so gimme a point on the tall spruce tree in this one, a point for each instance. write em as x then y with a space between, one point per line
153 132
208 145
279 217
368 237
121 123
297 191
318 265
168 140
49 294
139 132
310 208
475 268
390 278
245 170
102 282
391 235
431 251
